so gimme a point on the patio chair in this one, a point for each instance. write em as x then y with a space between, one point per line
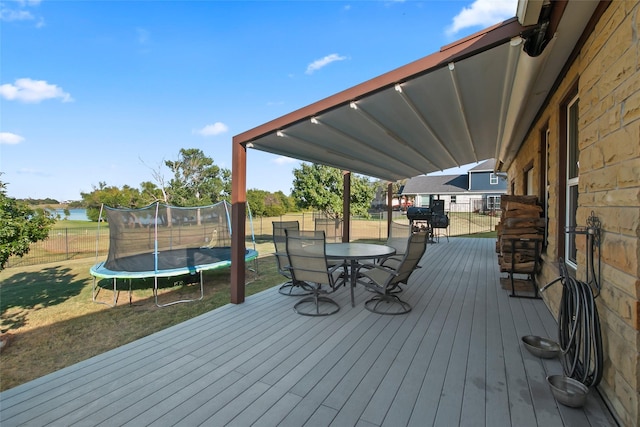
398 236
384 280
399 240
308 266
289 288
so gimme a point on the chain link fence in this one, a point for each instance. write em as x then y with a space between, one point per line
75 243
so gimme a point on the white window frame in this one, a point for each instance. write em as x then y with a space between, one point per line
530 177
572 177
547 136
493 179
493 203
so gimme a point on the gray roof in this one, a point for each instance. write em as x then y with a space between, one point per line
486 166
440 184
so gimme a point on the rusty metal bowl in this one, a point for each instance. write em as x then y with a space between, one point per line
541 347
568 391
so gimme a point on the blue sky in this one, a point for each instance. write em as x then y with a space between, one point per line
106 91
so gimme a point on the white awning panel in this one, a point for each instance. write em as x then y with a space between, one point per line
473 100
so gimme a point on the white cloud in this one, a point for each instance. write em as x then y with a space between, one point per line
211 130
10 138
284 160
482 13
16 11
319 63
9 15
32 91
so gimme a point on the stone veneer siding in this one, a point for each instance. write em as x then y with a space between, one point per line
607 73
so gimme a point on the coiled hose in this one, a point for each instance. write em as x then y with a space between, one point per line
579 333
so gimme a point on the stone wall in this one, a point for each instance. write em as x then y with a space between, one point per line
607 73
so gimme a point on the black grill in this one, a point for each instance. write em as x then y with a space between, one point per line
419 214
439 221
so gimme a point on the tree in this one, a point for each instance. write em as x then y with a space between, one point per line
264 203
286 201
112 196
197 180
320 187
20 226
151 193
159 192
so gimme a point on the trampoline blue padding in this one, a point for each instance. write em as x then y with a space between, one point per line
160 241
175 262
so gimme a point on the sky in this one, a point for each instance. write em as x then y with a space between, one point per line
106 91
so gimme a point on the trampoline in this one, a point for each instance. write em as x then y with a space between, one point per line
165 241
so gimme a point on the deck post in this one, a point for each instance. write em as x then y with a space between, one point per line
346 206
389 207
238 217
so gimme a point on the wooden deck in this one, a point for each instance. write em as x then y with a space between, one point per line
456 359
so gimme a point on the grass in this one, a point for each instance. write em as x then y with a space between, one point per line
51 321
75 224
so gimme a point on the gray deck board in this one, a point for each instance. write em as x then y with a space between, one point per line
455 359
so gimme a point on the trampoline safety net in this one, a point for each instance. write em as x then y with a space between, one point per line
161 237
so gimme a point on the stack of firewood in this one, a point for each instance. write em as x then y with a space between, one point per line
522 226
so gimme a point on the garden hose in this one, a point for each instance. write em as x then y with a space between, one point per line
579 332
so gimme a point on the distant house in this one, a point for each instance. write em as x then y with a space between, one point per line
478 190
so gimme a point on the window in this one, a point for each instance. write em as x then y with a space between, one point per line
530 182
544 179
528 179
493 203
573 165
493 179
453 198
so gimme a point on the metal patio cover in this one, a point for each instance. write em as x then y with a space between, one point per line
473 100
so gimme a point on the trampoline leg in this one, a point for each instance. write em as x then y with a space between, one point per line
254 270
95 291
115 292
155 292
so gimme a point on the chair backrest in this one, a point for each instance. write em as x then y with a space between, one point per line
399 237
332 228
280 243
415 250
307 256
399 230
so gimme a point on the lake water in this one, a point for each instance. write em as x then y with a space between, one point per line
75 214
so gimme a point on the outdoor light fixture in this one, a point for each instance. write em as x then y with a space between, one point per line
280 134
398 88
353 105
249 145
452 66
314 121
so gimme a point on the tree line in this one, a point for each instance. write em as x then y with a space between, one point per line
196 181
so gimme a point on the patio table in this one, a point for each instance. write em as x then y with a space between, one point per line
353 253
